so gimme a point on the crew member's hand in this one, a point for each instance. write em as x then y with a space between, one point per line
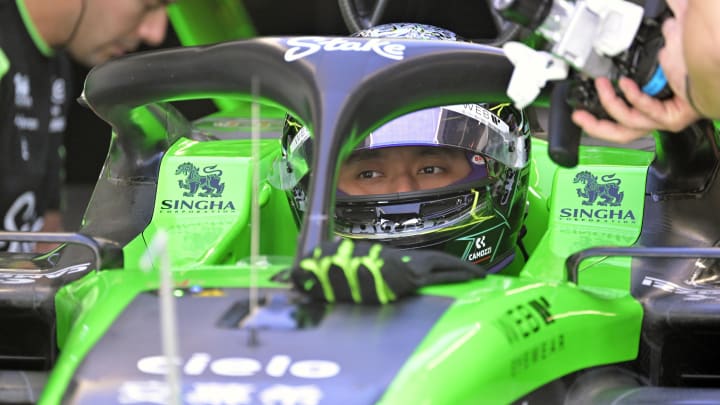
371 273
52 222
644 113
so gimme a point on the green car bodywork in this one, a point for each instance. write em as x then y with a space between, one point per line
513 334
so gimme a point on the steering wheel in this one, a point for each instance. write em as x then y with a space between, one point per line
359 15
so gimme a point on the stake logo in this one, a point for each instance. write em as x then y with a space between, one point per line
599 196
208 185
306 46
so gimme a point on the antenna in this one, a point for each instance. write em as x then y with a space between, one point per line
168 321
254 201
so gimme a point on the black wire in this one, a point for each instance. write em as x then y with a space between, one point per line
521 245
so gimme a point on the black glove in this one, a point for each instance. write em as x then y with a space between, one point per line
372 273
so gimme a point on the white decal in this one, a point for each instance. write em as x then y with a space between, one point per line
690 294
57 124
480 242
289 395
300 138
58 94
22 90
136 392
210 393
24 148
220 394
27 278
481 250
482 116
477 160
306 46
278 366
26 123
21 216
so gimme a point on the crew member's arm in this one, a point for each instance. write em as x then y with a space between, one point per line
52 221
701 45
644 113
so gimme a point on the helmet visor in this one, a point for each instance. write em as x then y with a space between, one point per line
467 126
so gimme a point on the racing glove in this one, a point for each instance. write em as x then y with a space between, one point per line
371 273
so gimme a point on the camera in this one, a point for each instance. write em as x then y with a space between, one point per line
582 40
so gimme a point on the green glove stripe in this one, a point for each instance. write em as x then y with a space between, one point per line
374 264
345 260
320 266
349 264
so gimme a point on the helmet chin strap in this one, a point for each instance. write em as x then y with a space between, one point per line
73 33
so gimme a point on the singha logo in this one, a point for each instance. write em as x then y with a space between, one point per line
608 191
208 182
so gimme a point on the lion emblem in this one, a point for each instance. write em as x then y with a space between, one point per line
608 191
209 182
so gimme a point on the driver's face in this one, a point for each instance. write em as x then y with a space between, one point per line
401 169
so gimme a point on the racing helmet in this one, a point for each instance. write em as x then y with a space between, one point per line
477 218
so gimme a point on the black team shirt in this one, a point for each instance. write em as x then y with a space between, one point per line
34 81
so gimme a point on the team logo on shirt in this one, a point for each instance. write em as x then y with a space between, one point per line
57 99
23 99
21 216
57 91
22 90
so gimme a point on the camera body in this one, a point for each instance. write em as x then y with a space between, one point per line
585 39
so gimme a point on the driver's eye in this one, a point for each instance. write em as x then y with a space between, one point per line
368 174
430 170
